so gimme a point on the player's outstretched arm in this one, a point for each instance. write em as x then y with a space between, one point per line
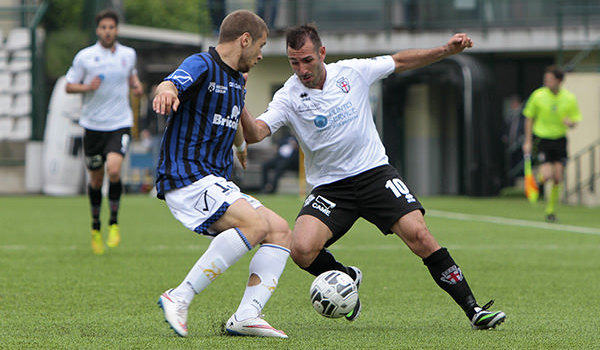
165 100
416 58
254 130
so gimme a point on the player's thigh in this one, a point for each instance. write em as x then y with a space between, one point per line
243 216
309 235
385 197
212 205
413 231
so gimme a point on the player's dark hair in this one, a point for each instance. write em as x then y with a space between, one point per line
107 14
556 71
239 22
296 36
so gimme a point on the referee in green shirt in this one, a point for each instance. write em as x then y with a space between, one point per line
550 112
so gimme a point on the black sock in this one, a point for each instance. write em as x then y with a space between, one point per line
449 277
325 261
114 198
95 196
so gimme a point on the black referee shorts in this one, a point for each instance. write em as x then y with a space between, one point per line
378 195
550 151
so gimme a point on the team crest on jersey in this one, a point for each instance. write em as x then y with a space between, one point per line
343 84
320 121
452 275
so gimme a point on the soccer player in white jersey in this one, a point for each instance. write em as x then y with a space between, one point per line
206 95
104 73
327 105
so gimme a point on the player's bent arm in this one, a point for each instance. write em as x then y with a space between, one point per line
136 85
240 146
254 130
165 98
75 88
416 58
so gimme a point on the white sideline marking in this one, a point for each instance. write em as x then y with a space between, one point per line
512 222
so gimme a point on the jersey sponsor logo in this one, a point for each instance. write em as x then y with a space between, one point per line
343 84
452 275
323 205
320 121
181 76
233 84
230 121
336 117
219 89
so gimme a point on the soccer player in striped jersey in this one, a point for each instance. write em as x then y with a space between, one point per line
204 97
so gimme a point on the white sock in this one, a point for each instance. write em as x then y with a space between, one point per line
224 250
268 264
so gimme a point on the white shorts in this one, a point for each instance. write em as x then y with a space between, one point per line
199 205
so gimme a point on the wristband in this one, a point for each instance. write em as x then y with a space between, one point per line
241 147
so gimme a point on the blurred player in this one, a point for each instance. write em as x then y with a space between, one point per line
327 105
550 111
104 73
206 95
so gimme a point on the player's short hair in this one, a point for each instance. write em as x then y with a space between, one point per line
239 22
296 36
556 71
107 14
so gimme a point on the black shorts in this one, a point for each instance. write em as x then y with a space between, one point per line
377 195
550 151
97 144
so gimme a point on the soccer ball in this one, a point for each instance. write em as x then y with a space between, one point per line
333 294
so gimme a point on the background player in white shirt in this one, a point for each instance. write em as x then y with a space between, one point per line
104 73
327 105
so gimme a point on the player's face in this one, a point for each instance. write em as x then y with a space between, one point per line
551 82
252 54
107 32
307 63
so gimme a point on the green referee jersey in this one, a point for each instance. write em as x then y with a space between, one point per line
549 110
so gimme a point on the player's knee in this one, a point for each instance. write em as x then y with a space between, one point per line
279 233
303 253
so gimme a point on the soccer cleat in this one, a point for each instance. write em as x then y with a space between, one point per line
551 217
484 319
254 326
175 310
353 315
97 245
113 236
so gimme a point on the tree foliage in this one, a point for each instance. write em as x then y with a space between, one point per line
184 15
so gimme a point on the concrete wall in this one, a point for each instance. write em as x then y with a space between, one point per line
586 87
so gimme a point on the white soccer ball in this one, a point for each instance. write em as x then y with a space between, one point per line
333 294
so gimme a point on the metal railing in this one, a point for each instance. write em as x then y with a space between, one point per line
587 182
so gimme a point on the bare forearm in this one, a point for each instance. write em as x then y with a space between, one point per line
78 88
417 58
254 130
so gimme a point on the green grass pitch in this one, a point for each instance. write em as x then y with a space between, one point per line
55 294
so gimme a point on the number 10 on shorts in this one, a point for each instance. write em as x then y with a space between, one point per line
399 188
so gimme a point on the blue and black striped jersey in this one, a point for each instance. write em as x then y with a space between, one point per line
198 138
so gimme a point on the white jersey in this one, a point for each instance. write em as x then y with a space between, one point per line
106 108
334 126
